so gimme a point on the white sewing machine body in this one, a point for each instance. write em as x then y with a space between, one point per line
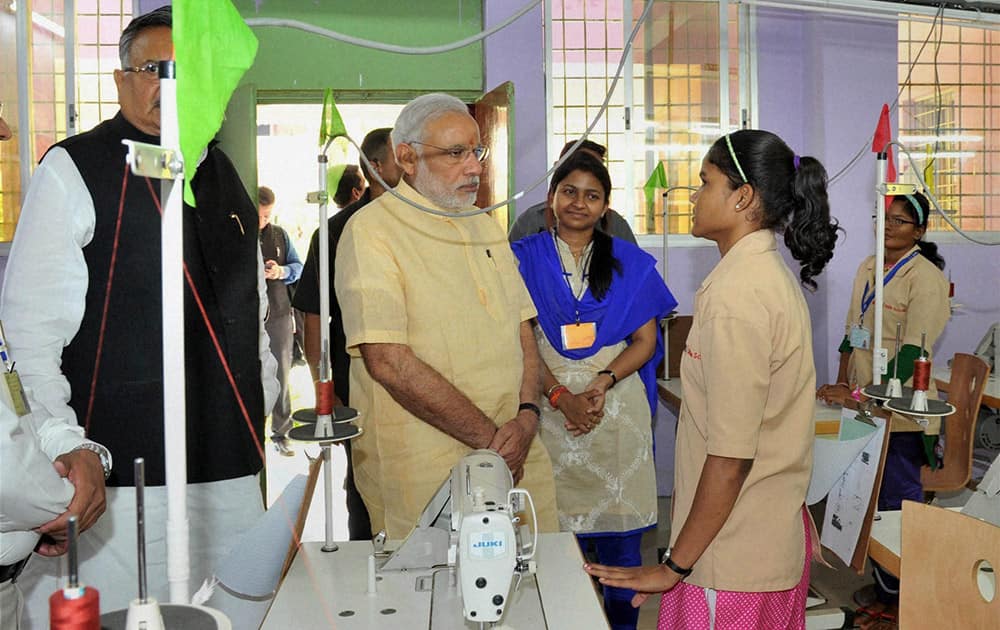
467 564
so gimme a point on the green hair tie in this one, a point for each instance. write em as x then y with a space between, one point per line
732 154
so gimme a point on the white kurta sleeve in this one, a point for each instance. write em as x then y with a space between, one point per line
44 293
31 492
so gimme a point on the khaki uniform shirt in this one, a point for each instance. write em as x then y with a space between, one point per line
916 297
748 392
450 290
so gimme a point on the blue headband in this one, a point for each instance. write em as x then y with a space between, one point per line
732 154
916 206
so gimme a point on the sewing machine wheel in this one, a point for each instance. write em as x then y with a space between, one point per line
988 430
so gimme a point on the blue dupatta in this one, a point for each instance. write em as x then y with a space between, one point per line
636 295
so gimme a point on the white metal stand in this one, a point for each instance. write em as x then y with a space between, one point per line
174 407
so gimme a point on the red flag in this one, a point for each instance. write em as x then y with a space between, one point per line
883 134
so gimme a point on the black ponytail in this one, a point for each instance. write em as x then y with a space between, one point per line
811 234
603 263
792 191
929 251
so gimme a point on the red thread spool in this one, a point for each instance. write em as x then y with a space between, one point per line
324 398
80 613
921 374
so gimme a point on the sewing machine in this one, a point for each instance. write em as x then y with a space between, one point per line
470 562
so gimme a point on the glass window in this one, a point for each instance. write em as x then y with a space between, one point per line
949 117
674 113
98 26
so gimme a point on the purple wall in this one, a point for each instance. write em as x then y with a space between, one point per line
821 84
516 54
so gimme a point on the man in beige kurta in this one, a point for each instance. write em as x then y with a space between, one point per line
435 307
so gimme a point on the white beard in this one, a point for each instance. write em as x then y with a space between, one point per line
428 186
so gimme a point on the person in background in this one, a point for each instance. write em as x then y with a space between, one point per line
350 188
539 218
740 533
377 147
38 493
282 267
915 296
435 309
57 283
597 421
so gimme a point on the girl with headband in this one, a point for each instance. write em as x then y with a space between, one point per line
916 296
740 534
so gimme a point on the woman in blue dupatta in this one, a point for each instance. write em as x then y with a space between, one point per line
598 300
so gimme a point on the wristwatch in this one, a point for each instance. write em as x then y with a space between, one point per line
532 407
673 566
102 452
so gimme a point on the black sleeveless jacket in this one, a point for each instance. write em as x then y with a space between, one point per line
220 252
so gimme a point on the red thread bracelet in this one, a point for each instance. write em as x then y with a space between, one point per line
556 393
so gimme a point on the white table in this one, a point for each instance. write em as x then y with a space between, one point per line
325 590
991 393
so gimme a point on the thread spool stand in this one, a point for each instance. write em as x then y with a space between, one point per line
145 612
330 425
918 406
894 388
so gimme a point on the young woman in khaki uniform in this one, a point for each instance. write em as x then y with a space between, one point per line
740 539
916 297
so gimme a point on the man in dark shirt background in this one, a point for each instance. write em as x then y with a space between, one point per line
282 267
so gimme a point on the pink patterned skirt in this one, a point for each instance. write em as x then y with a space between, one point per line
685 607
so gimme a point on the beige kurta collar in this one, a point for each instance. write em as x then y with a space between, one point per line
754 243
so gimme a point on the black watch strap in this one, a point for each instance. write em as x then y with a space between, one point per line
673 566
532 407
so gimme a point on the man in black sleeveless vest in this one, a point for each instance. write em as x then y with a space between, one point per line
282 267
69 250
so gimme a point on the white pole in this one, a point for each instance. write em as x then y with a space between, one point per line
323 422
324 271
724 123
174 410
628 114
878 352
666 320
328 544
69 46
25 151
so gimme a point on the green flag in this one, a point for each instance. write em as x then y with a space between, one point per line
214 48
657 179
332 125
